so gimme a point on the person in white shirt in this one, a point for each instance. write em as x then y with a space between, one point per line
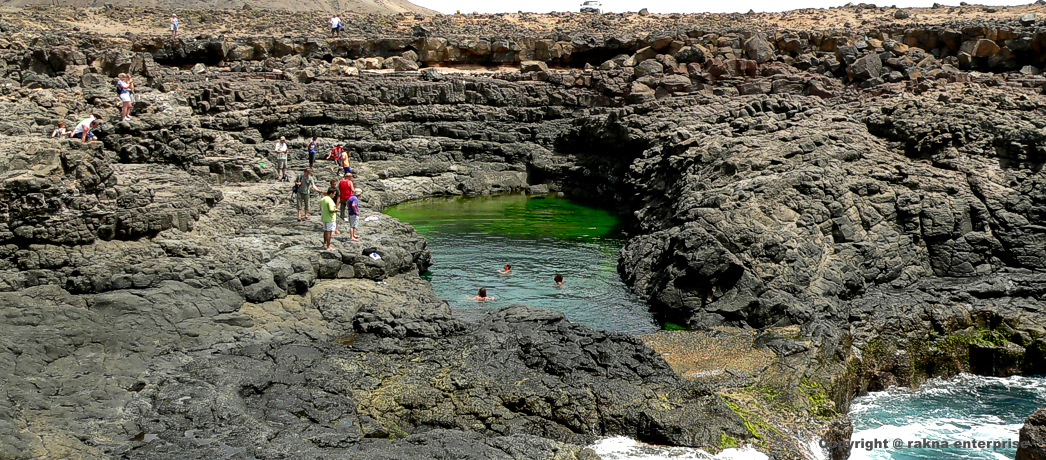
84 127
281 159
336 26
124 88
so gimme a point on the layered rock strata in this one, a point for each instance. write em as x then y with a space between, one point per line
877 227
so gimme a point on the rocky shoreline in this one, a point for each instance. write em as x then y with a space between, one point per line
864 203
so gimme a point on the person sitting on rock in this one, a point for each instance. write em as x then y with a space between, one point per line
281 159
60 131
124 88
482 295
328 212
174 25
303 185
558 279
506 270
84 127
336 26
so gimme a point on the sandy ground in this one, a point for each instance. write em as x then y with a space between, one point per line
723 355
369 18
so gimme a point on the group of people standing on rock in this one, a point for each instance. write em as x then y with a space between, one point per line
85 129
338 200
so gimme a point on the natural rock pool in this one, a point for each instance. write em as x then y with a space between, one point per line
472 238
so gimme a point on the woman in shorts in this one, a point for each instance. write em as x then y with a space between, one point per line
124 87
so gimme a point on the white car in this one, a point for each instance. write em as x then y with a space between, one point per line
591 6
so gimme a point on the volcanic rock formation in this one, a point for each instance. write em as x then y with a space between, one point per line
870 199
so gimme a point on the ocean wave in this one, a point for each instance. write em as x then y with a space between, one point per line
623 448
966 407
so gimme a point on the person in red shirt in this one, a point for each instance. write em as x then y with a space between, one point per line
336 154
347 190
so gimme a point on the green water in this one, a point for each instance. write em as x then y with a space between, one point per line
472 238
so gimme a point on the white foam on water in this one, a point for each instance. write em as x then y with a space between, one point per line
966 407
623 448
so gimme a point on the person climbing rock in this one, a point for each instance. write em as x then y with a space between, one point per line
327 214
335 155
60 131
84 129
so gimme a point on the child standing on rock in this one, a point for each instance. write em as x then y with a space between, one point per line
354 217
174 25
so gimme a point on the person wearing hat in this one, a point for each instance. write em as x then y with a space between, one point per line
174 25
281 159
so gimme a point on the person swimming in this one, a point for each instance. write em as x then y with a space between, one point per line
559 279
482 295
506 270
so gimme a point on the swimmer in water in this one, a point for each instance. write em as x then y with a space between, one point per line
482 295
559 279
506 270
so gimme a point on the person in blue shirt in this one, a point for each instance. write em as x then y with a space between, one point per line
174 25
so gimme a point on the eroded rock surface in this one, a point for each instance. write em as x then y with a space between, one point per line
870 200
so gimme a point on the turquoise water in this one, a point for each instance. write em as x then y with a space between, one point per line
472 238
965 408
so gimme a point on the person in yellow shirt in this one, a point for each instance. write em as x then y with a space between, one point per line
329 212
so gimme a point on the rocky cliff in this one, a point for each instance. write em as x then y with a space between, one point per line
869 198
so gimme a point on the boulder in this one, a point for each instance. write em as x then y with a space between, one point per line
693 53
399 64
533 66
865 68
901 14
640 93
1028 19
1033 437
649 67
644 12
675 83
980 47
758 49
